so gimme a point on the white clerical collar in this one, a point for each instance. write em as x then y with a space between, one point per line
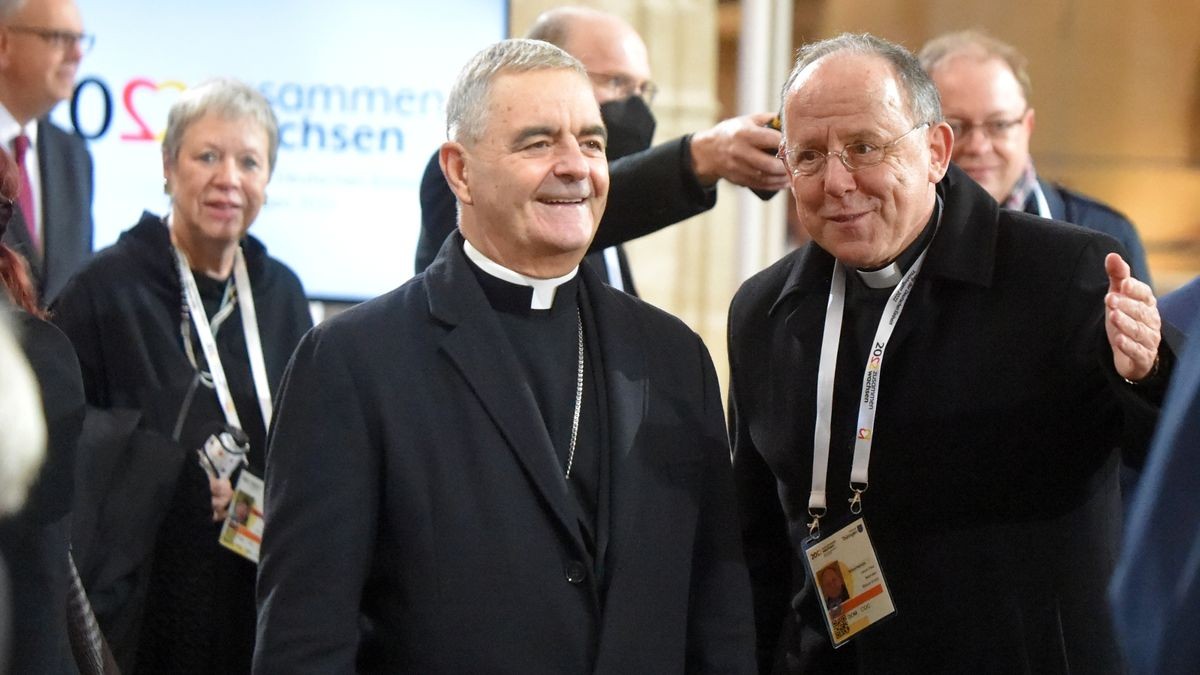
543 289
887 277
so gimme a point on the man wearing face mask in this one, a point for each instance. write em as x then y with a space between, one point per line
651 187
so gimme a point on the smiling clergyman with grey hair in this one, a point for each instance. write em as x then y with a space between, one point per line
940 376
505 465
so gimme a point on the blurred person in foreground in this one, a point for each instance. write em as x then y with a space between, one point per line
651 188
505 465
22 447
41 46
932 387
987 98
183 328
1156 589
35 542
1181 306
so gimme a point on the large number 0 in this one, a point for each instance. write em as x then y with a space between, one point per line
108 108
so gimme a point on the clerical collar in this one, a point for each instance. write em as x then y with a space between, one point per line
543 289
890 274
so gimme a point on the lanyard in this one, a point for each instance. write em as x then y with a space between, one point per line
612 264
865 434
245 300
1043 206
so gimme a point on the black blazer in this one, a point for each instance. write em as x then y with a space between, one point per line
66 171
993 500
1073 207
418 521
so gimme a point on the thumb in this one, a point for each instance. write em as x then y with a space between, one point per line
1117 270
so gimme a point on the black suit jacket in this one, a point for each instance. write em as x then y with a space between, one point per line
993 502
1073 207
648 191
66 172
418 520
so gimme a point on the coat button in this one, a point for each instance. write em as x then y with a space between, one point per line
576 572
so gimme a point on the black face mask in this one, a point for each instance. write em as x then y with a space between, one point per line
630 126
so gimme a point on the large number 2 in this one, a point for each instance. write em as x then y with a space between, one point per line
144 133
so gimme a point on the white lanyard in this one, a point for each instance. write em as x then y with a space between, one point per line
245 299
865 429
612 264
1043 206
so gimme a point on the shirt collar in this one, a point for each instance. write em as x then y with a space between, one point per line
1021 191
10 129
543 289
889 275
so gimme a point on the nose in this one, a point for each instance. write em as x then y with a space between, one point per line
838 180
227 174
570 164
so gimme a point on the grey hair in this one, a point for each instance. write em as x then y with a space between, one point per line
10 7
920 94
467 105
227 98
981 45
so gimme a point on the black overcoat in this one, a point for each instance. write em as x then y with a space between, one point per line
418 520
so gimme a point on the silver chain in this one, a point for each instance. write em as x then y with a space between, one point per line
578 397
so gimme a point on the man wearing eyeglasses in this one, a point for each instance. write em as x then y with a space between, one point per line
929 394
41 45
986 92
651 187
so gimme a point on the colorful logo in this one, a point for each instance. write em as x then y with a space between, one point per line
155 108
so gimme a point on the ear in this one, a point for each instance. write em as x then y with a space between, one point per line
452 158
1028 122
941 144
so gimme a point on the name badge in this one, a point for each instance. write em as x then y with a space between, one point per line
849 582
223 452
242 532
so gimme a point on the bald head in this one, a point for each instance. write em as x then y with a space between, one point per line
609 48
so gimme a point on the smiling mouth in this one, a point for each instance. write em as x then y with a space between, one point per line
844 218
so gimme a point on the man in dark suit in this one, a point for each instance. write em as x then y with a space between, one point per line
651 188
505 465
41 44
986 96
976 368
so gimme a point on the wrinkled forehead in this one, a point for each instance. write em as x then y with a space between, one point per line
540 97
846 92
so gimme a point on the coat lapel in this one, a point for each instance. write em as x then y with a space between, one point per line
626 382
479 348
963 251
